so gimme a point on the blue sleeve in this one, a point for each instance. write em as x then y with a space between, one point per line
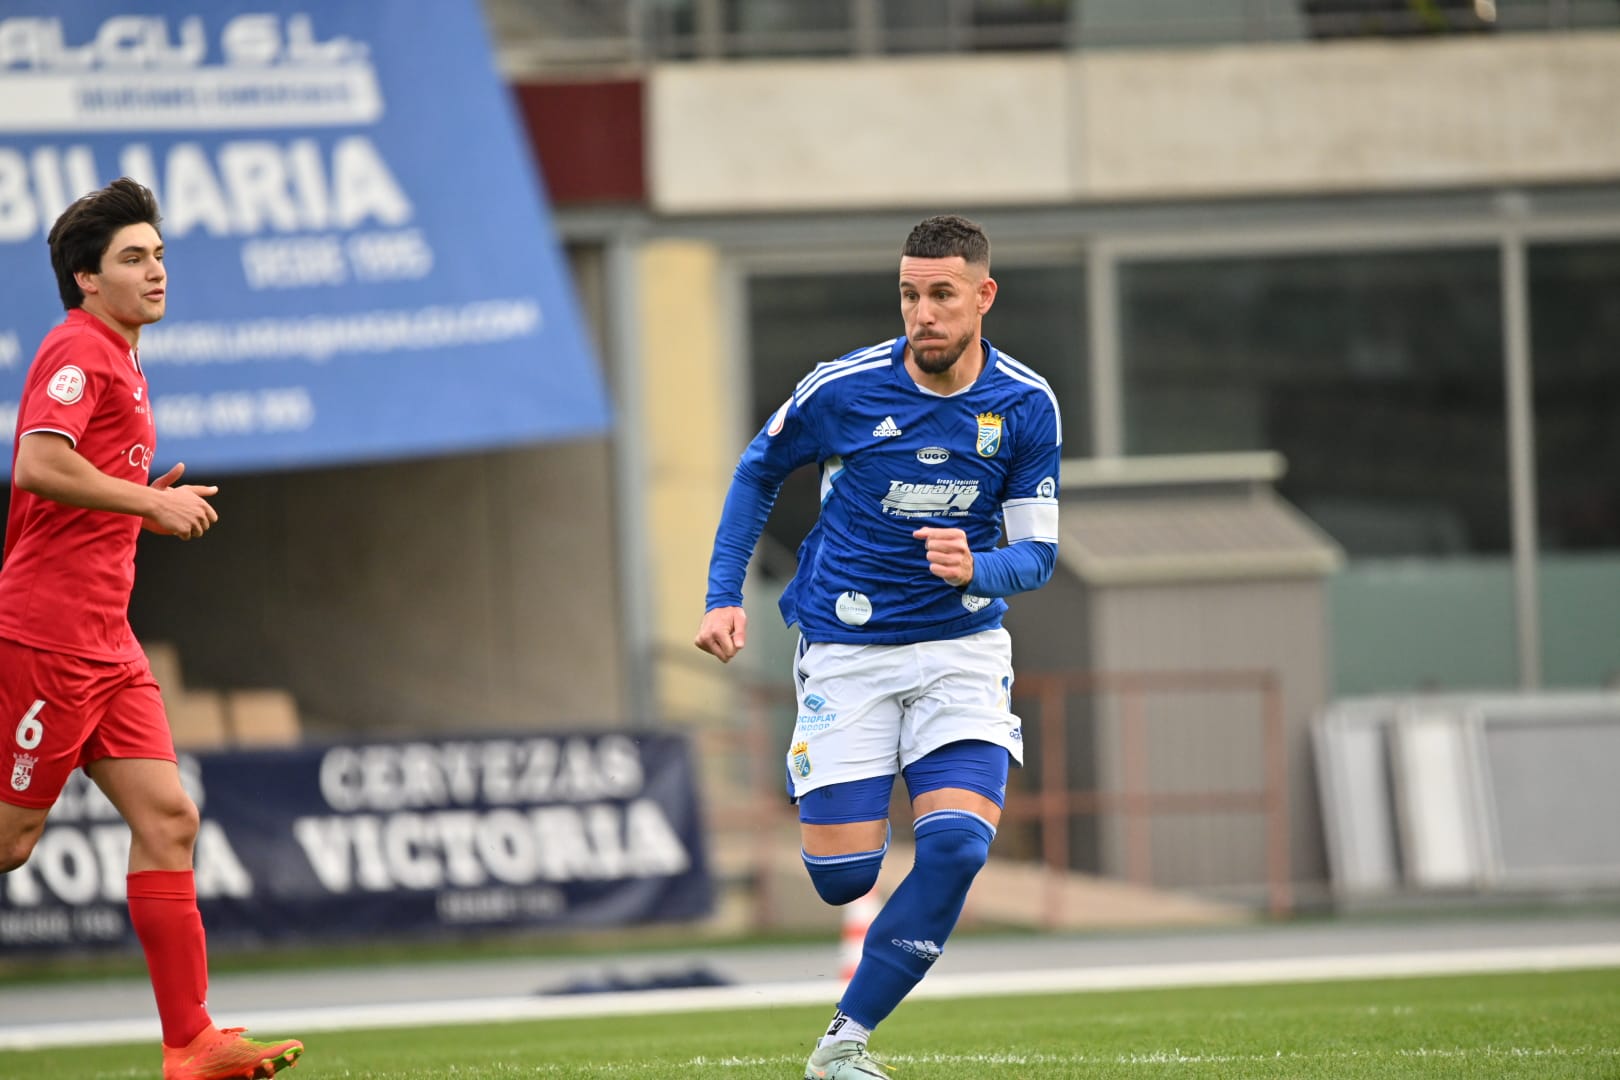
1012 569
785 443
742 519
1029 507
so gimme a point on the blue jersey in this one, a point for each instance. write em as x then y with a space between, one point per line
894 458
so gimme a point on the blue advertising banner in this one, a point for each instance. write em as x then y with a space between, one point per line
362 263
560 831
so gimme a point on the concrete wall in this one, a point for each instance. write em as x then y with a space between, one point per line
475 592
738 137
1124 125
690 445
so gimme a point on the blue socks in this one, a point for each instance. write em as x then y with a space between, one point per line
909 933
840 879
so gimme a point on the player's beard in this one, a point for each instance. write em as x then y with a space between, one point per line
944 355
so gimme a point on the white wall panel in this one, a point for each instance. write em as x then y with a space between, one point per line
1351 116
1126 125
939 130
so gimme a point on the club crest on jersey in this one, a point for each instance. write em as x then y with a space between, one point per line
989 434
67 385
801 758
22 773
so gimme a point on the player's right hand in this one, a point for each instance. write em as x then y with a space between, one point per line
181 511
723 632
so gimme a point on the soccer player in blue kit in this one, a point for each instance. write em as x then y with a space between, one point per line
903 667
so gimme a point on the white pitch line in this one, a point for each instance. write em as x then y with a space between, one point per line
763 995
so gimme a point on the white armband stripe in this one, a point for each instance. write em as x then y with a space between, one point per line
1031 519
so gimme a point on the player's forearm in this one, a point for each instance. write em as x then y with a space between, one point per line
1012 569
742 520
54 470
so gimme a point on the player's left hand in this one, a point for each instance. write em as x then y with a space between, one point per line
949 556
168 480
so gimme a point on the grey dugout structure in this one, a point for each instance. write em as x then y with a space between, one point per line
1174 571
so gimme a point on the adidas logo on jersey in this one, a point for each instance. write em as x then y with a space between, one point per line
886 430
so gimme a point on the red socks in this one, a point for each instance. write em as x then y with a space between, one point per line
163 910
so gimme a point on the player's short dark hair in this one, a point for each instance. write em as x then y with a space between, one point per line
946 235
83 233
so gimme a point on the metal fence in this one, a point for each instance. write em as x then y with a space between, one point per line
741 754
536 35
1134 798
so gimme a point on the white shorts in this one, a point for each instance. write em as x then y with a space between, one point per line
871 710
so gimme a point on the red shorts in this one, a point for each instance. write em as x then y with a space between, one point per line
58 712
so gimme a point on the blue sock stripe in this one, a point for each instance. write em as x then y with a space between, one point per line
853 857
840 879
939 819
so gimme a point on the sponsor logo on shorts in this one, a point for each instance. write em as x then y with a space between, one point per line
22 773
66 386
801 758
815 718
810 723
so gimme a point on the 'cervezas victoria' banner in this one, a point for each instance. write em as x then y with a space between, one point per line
361 260
386 838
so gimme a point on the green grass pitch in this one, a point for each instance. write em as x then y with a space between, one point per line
1540 1026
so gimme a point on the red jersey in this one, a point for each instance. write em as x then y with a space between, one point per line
67 572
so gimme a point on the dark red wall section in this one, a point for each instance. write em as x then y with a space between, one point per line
588 138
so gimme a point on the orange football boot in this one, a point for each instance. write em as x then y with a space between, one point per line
223 1054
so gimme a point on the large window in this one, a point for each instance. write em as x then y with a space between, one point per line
1575 335
1575 332
1377 376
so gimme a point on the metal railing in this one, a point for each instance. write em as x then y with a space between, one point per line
749 746
1056 803
537 35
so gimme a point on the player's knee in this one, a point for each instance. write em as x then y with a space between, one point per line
16 848
954 843
168 828
840 879
14 855
182 823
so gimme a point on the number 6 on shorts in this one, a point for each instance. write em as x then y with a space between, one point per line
29 729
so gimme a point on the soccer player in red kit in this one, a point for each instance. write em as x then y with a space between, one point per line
75 687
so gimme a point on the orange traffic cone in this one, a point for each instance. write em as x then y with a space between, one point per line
858 916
